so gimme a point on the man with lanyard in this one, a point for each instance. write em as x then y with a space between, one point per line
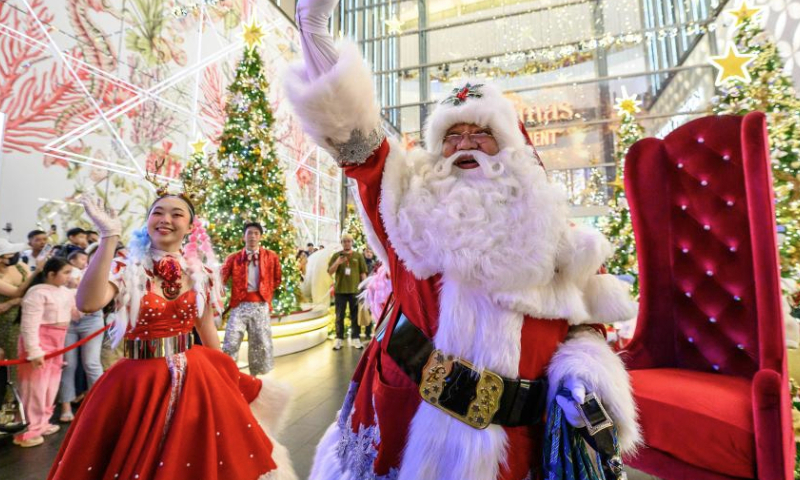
349 269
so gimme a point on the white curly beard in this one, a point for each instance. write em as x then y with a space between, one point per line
497 226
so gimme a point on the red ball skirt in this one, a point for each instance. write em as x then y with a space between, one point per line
122 429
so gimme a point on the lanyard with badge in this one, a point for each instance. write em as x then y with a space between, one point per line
347 268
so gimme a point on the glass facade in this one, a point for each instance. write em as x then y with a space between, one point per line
563 63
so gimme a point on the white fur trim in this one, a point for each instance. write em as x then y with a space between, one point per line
397 175
280 455
340 101
327 465
271 405
558 300
369 230
608 299
492 110
472 327
586 356
441 447
582 252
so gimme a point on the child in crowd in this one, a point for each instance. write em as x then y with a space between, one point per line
47 308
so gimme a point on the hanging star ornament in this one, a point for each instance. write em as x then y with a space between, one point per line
394 25
627 104
199 146
253 34
732 65
743 13
617 184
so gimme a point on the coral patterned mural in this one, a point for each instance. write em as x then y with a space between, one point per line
97 92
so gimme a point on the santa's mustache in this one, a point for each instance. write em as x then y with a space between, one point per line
492 166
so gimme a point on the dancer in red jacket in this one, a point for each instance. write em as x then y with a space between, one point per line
255 273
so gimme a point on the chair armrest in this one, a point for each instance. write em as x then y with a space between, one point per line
772 423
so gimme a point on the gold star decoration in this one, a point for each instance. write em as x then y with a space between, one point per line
394 25
617 184
743 13
627 103
253 34
199 145
732 65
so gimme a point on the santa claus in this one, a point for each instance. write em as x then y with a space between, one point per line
494 289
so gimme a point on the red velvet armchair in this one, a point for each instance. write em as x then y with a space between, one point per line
707 361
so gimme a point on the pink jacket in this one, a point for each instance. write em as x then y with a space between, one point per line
45 305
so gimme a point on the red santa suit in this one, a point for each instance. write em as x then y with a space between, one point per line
519 326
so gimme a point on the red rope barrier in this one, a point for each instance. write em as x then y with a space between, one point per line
50 355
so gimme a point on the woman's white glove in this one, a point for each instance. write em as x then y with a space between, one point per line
570 405
107 223
318 50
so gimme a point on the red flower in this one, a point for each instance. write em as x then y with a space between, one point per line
462 95
168 269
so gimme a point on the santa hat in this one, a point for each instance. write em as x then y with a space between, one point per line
479 104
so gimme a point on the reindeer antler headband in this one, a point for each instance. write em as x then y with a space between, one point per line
162 188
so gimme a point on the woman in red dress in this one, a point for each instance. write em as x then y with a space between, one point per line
170 409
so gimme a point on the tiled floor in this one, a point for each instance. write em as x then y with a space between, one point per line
320 378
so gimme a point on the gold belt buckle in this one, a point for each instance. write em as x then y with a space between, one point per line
481 409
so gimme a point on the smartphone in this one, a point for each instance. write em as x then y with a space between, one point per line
594 414
45 253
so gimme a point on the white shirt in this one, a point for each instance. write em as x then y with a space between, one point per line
253 273
30 260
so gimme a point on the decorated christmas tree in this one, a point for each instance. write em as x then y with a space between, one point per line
248 184
353 226
751 77
617 226
594 193
197 175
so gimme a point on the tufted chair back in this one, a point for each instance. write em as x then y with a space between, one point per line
707 360
705 236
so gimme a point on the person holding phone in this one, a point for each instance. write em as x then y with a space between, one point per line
348 269
38 241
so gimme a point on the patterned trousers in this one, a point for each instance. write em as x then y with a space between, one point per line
254 319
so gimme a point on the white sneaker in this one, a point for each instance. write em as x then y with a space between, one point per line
51 429
337 344
357 343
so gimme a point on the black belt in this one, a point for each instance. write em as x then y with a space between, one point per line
455 386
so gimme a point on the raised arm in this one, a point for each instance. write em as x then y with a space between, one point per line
332 91
318 50
95 290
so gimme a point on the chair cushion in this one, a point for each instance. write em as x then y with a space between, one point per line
703 419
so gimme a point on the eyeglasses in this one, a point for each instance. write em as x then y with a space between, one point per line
481 138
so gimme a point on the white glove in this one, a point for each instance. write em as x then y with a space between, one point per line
318 50
570 405
106 222
313 15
